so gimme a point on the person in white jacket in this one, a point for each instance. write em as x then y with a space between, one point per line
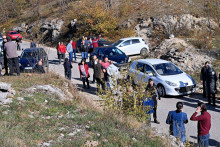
113 75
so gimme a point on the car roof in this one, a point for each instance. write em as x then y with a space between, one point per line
152 61
32 49
129 38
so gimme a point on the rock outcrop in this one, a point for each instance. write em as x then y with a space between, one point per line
179 52
6 93
169 24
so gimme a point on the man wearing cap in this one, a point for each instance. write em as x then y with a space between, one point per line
12 56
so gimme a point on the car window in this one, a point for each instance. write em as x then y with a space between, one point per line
126 43
148 69
117 43
140 67
28 54
112 52
13 32
134 41
167 69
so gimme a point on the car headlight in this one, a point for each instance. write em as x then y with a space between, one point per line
171 83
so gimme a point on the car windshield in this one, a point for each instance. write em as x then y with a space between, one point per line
166 69
13 32
29 54
110 52
117 43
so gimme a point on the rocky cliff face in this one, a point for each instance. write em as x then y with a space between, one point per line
168 25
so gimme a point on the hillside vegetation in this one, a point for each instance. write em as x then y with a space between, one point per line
101 16
41 118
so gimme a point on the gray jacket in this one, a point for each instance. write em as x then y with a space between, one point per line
11 50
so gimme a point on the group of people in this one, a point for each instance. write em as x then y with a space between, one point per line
209 78
10 57
176 119
87 44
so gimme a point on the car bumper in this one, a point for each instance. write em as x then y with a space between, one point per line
122 66
176 91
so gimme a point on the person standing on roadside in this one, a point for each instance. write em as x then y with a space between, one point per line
33 44
211 79
86 47
69 49
83 48
105 65
61 51
84 73
203 78
99 75
5 57
90 46
176 119
12 56
113 75
18 42
67 68
95 42
93 63
57 49
204 124
74 48
151 88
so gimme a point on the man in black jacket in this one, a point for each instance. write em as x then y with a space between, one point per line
99 75
203 78
211 79
151 88
5 57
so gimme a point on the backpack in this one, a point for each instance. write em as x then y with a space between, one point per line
149 105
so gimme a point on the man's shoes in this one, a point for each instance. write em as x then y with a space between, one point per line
157 122
93 82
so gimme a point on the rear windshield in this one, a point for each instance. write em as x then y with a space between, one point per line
13 32
33 54
166 69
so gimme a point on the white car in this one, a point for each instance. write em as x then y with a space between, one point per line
168 78
132 46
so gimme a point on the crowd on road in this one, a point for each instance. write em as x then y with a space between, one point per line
106 74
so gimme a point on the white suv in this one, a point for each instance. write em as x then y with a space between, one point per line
132 46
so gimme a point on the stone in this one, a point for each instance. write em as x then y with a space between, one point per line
31 116
5 86
46 144
20 98
91 143
7 101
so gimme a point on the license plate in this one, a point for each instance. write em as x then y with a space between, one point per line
28 68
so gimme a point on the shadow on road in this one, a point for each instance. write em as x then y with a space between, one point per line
212 142
91 90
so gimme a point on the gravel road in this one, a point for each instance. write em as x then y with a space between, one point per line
164 105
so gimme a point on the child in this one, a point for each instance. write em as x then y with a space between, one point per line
67 68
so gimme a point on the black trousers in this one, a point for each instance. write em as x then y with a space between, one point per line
13 65
155 113
100 82
204 88
5 63
213 98
68 74
85 80
61 56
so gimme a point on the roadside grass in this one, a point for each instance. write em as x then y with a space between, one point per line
43 118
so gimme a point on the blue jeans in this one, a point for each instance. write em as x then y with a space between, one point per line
83 55
74 51
71 56
203 141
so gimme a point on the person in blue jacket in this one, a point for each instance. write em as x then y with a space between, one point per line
176 119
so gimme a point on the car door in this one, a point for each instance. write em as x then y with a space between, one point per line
135 47
124 46
149 73
139 73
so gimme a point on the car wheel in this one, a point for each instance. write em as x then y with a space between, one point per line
161 90
144 52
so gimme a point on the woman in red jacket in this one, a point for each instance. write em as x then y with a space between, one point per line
84 73
61 52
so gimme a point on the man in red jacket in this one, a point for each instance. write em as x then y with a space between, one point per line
61 52
95 42
74 48
204 124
